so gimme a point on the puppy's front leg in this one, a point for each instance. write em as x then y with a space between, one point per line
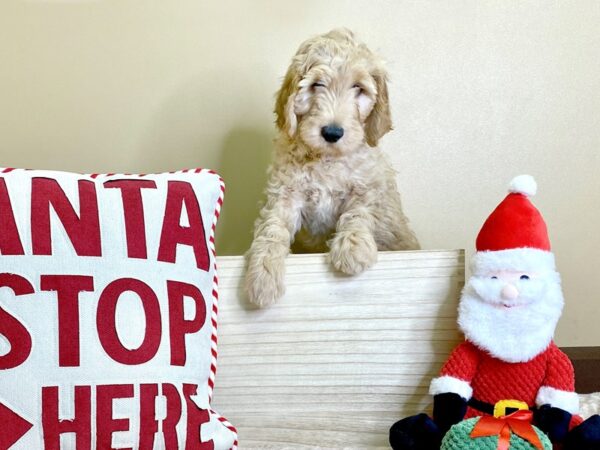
353 248
275 228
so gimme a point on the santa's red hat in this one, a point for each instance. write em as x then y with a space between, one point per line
514 236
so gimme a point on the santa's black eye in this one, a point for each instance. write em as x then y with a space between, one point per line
359 87
524 277
318 84
494 278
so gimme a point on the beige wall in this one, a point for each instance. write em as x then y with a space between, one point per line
481 91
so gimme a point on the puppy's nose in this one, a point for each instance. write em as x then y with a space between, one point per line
332 133
509 292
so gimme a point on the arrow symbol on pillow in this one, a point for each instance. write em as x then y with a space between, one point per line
13 427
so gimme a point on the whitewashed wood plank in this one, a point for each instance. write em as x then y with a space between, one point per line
338 359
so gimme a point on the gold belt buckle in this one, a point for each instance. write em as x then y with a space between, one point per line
501 407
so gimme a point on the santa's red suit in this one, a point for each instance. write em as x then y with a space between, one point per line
474 374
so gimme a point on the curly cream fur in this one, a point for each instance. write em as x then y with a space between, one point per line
321 196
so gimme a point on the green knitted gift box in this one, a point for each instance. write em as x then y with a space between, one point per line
458 438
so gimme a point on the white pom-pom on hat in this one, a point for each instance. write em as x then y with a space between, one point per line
523 184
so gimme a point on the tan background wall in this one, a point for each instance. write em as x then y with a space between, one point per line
481 91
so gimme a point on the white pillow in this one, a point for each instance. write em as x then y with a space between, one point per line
589 404
108 308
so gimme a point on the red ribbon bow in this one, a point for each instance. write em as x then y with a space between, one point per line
518 422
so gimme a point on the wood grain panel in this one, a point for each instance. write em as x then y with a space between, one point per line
338 359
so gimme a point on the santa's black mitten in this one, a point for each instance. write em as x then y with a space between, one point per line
586 436
415 433
448 410
553 421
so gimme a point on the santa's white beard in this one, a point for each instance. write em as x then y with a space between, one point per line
518 333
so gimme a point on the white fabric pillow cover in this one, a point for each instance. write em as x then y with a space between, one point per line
590 404
108 311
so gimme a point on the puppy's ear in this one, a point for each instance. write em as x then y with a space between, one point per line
379 121
284 103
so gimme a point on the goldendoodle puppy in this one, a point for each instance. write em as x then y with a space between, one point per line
330 187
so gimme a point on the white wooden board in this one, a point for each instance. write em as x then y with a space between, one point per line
338 359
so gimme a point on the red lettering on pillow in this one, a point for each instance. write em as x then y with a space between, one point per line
180 194
83 230
10 241
13 330
148 422
67 289
178 325
106 322
53 426
106 425
173 416
133 210
196 417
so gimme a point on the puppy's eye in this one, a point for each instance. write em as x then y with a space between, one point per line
524 277
318 84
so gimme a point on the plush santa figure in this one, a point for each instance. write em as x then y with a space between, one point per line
508 312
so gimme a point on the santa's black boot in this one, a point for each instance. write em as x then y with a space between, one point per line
585 436
415 433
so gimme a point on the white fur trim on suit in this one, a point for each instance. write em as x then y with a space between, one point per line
569 401
523 184
518 259
445 384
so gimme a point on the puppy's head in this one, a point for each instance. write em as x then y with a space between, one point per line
334 96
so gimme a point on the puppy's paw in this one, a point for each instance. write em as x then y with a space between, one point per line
265 274
353 252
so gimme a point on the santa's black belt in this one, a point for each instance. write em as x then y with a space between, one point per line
502 408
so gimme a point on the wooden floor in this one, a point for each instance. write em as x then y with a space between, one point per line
338 359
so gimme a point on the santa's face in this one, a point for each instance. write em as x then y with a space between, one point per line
510 313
